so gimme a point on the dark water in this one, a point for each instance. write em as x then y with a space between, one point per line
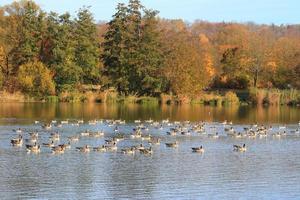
28 112
269 169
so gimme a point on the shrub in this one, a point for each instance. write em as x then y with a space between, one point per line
231 98
35 79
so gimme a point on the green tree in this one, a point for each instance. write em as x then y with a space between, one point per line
87 47
60 54
132 54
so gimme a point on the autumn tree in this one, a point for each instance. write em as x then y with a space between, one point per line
36 79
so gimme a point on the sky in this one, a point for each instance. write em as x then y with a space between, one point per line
258 11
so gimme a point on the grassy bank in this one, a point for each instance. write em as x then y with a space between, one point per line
214 98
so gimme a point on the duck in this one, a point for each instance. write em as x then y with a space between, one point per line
198 149
17 141
51 144
240 148
146 151
100 148
33 148
173 144
84 149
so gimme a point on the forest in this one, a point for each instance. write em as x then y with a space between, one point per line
138 54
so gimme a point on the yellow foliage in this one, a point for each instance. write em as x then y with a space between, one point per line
35 78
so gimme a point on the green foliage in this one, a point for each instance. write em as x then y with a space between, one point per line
87 47
132 56
35 79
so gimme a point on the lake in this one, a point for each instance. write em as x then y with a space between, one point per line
269 169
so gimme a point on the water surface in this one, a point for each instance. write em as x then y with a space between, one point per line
270 169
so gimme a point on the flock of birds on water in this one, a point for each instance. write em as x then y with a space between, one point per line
33 143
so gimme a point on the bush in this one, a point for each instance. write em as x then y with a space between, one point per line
35 79
231 98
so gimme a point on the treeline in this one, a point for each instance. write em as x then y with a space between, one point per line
138 53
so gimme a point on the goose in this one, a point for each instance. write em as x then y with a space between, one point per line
84 149
146 151
240 148
55 136
47 126
58 149
137 121
17 130
17 141
51 144
64 122
146 137
92 122
74 138
111 147
100 148
33 148
32 139
33 134
173 144
80 121
96 134
172 133
149 121
198 149
128 150
66 145
85 133
154 141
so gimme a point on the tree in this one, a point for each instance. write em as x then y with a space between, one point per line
87 47
184 66
35 79
132 50
60 54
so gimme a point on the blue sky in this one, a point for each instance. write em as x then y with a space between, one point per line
259 11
